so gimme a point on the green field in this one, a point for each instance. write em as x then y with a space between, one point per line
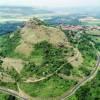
90 91
91 23
93 32
51 87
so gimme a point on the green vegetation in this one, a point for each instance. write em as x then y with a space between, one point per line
93 32
67 68
89 54
37 56
91 23
9 85
86 46
44 60
52 58
3 96
73 97
8 43
90 91
6 97
51 87
14 74
40 75
95 36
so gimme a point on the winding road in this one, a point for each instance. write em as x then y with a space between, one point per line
68 93
84 81
13 93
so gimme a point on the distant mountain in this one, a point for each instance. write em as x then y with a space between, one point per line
22 10
9 27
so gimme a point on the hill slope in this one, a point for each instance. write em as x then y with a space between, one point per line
44 61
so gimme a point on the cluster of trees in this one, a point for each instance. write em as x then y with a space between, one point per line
90 91
86 46
67 69
7 46
84 42
8 43
9 27
53 58
7 97
29 69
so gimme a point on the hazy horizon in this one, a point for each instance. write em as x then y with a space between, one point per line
51 4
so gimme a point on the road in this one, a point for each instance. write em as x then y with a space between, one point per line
90 77
16 94
68 93
13 93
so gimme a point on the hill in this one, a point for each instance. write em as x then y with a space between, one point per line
43 62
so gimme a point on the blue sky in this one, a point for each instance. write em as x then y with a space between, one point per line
51 3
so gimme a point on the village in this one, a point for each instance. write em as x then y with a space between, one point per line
79 27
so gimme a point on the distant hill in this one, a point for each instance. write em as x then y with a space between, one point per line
9 27
26 11
19 14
